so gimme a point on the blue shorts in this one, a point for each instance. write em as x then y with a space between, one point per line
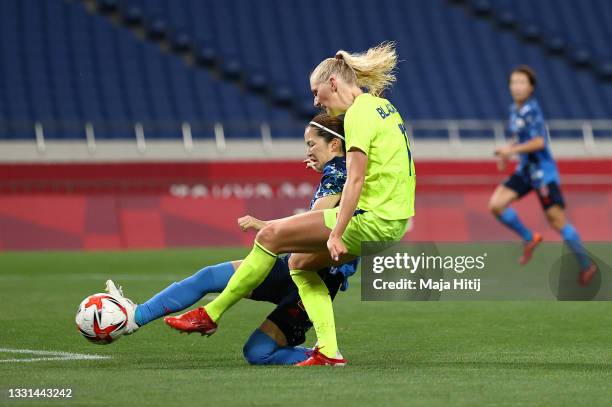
289 314
548 194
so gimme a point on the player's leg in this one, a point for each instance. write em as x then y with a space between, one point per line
267 345
300 233
364 226
499 205
512 189
177 296
182 294
315 296
555 215
272 289
276 340
554 208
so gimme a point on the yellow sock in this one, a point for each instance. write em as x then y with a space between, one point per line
318 304
252 271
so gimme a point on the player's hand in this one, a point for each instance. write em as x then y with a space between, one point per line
311 164
336 247
249 222
503 152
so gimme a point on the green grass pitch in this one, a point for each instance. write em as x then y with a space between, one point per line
417 354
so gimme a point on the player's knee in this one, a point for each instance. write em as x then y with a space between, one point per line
296 262
555 223
495 207
555 218
258 349
252 355
268 237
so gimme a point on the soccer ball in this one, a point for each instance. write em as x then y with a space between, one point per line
101 318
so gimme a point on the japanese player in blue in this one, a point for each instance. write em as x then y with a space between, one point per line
536 171
276 340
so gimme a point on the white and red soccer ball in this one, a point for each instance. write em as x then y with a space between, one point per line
101 318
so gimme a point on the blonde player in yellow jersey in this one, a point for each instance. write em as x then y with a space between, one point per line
377 201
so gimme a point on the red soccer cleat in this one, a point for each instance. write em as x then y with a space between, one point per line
529 248
587 275
318 359
196 320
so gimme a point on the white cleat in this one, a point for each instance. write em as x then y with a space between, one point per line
129 305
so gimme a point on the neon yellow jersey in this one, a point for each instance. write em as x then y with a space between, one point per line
374 126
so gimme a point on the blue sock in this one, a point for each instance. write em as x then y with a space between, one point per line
511 220
178 296
572 239
260 349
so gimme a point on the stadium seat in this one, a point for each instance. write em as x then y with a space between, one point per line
506 18
180 40
156 27
530 31
206 55
132 14
555 43
257 82
605 69
108 6
581 56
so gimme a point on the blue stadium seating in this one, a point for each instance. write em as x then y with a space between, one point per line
63 66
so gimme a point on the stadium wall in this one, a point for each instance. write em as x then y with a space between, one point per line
156 205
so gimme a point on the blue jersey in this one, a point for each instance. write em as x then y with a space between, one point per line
332 183
539 167
333 179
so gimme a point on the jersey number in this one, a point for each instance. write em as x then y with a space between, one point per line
405 134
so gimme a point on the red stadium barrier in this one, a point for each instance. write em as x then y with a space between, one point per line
155 205
158 177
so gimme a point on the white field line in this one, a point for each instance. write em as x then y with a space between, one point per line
46 355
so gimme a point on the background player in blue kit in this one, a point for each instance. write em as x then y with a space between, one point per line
536 171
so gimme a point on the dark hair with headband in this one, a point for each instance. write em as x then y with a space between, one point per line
328 127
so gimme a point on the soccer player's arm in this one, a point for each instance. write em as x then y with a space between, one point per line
536 142
326 202
360 131
250 222
332 185
535 124
329 200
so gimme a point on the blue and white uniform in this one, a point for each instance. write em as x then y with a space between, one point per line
536 170
332 180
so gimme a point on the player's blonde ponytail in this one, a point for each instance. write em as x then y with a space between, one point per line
372 69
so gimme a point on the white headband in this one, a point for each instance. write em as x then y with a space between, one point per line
327 130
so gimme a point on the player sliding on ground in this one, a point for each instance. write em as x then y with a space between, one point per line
537 171
377 201
276 340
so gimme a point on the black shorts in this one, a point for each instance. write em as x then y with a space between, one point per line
289 314
549 194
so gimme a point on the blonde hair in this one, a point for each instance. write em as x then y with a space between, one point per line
372 69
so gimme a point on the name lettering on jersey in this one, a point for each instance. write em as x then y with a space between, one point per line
386 111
